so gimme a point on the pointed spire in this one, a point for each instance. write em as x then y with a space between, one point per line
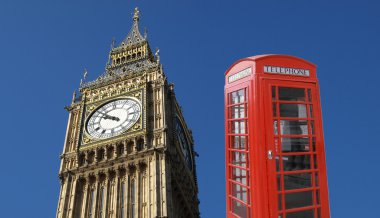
74 96
109 56
113 43
136 15
133 48
85 74
134 36
84 77
157 54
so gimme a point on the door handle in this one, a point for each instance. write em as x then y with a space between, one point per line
270 155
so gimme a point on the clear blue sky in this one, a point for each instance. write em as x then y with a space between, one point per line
45 45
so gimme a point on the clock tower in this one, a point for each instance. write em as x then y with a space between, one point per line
128 152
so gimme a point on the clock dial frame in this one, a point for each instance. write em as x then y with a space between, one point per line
113 118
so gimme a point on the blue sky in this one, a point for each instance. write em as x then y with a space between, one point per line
45 45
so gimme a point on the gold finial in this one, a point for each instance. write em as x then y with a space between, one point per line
157 54
136 15
85 74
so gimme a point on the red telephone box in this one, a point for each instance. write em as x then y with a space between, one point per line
275 156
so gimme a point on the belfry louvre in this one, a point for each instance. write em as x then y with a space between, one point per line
128 152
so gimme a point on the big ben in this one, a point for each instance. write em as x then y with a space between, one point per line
128 152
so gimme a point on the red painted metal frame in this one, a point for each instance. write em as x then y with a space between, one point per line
262 195
229 166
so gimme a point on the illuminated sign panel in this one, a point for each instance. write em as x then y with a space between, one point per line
287 71
240 74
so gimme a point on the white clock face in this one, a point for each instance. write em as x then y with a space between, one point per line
113 118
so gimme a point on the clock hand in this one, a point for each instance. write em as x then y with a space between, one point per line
106 116
114 118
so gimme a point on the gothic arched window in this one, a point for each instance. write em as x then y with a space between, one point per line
101 154
110 152
120 149
82 159
140 144
130 146
90 157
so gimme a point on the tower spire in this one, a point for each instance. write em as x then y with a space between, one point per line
136 15
134 36
133 48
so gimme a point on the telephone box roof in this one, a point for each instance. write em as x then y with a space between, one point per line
265 56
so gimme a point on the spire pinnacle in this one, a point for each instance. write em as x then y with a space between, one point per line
134 47
85 74
136 15
74 96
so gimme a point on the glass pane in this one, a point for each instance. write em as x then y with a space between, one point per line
297 181
293 127
275 130
314 144
239 209
237 111
239 175
293 110
316 179
238 142
239 159
319 212
273 92
277 164
238 127
295 144
280 202
235 142
296 162
242 127
274 108
311 111
309 94
242 142
301 214
291 94
317 196
237 97
315 162
239 192
298 199
312 127
279 188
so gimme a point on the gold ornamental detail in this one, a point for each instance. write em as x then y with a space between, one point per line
116 89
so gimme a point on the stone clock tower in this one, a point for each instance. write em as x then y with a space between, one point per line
128 152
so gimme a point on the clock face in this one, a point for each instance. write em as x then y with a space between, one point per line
183 143
113 118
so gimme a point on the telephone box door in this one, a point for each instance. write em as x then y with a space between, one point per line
295 153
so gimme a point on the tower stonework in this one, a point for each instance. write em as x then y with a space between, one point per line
128 152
